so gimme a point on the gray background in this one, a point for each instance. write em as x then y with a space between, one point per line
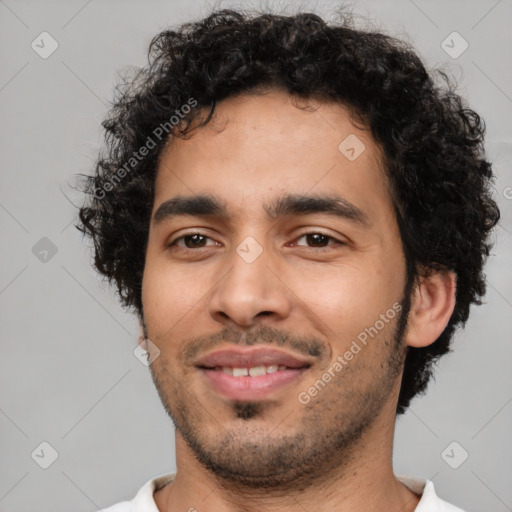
68 375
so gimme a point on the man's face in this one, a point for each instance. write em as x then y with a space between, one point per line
249 275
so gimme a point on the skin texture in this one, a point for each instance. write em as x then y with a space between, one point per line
308 298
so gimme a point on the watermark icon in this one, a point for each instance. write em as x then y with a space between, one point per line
159 133
454 45
507 192
351 147
148 353
44 250
249 249
454 455
304 397
44 45
44 455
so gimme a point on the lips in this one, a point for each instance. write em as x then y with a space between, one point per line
250 373
250 357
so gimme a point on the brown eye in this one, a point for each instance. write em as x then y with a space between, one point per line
192 241
318 240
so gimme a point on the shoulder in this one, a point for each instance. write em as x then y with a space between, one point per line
144 499
430 501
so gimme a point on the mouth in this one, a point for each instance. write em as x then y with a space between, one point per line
251 373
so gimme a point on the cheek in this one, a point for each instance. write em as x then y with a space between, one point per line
170 293
352 297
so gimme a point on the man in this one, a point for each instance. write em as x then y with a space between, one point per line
298 213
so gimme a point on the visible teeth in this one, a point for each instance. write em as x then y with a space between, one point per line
256 371
240 372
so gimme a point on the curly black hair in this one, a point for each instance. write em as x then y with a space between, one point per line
439 178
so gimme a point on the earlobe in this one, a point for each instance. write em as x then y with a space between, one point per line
432 304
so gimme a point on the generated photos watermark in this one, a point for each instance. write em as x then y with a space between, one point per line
305 397
159 133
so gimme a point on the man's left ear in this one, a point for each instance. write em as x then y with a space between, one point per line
432 304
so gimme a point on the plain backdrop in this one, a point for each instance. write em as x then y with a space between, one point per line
68 375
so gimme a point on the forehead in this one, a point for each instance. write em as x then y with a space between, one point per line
259 146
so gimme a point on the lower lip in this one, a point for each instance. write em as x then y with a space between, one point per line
251 388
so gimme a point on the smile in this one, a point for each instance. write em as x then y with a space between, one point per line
254 371
250 373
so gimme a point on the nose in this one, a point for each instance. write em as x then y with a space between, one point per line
248 292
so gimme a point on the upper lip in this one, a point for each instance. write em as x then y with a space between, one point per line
249 357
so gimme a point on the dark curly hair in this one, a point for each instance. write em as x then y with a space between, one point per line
434 157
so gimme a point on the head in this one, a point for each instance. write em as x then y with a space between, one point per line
279 181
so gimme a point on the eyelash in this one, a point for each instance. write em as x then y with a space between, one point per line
329 237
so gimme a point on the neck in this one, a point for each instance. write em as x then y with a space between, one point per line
362 481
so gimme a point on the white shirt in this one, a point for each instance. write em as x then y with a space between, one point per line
144 502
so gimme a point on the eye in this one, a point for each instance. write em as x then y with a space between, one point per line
192 241
318 240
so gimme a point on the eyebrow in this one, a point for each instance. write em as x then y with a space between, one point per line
290 204
200 205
